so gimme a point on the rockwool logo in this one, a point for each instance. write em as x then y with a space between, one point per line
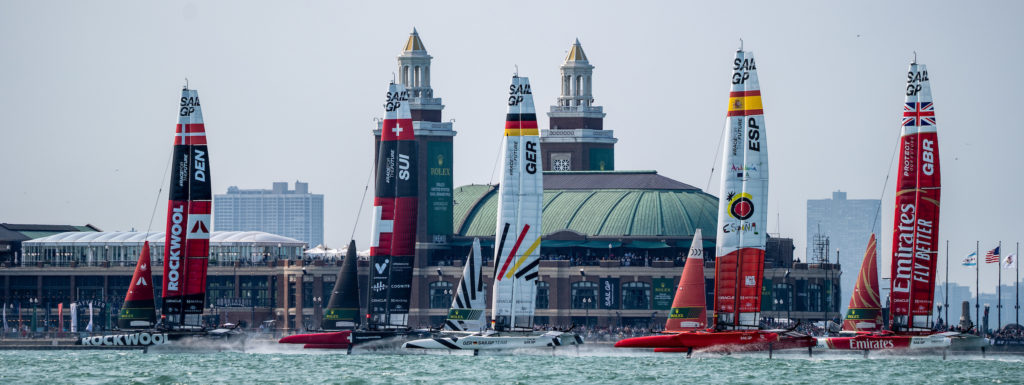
137 339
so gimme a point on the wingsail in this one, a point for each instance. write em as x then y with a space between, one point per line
521 193
742 214
392 244
916 222
187 242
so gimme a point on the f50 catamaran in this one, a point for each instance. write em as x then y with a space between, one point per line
518 238
742 217
914 240
392 239
186 247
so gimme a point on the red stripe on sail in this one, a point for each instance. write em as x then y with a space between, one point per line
403 239
735 94
521 124
745 112
512 254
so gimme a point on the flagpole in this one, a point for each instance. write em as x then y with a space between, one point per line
977 287
947 285
1016 266
999 288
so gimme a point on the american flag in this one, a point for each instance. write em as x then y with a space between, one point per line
919 114
992 256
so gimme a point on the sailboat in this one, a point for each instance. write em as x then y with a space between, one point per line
865 311
739 266
518 236
341 317
392 244
186 244
915 237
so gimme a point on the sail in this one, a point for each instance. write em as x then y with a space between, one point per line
916 222
520 195
865 311
187 240
393 239
689 307
342 310
139 310
467 311
742 216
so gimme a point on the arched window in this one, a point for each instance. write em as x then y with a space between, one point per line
543 290
584 295
416 74
440 294
579 85
636 295
405 75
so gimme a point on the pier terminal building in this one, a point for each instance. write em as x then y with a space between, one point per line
614 240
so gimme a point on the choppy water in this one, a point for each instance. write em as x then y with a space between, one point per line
593 365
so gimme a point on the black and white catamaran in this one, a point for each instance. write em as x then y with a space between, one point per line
518 236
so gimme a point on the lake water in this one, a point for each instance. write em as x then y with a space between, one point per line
270 363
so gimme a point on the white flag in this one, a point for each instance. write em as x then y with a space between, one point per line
88 327
74 317
970 260
1010 262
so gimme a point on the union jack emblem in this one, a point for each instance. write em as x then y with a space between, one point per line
919 114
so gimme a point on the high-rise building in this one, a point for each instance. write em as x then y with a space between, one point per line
845 225
434 141
291 213
576 139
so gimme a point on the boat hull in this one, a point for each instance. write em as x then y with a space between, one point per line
731 341
348 338
885 342
157 337
502 341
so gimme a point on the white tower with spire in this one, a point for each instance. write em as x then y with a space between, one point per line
577 139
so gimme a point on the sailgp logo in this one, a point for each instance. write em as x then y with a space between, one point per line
381 266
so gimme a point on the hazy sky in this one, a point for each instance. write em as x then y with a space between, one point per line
290 90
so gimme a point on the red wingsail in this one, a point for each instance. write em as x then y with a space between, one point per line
187 242
916 220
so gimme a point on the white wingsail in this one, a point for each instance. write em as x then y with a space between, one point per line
467 311
521 194
739 267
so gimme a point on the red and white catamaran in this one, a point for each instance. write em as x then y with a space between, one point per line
742 220
914 241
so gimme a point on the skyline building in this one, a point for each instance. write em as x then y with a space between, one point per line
838 230
292 213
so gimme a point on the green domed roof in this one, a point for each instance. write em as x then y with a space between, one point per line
605 204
